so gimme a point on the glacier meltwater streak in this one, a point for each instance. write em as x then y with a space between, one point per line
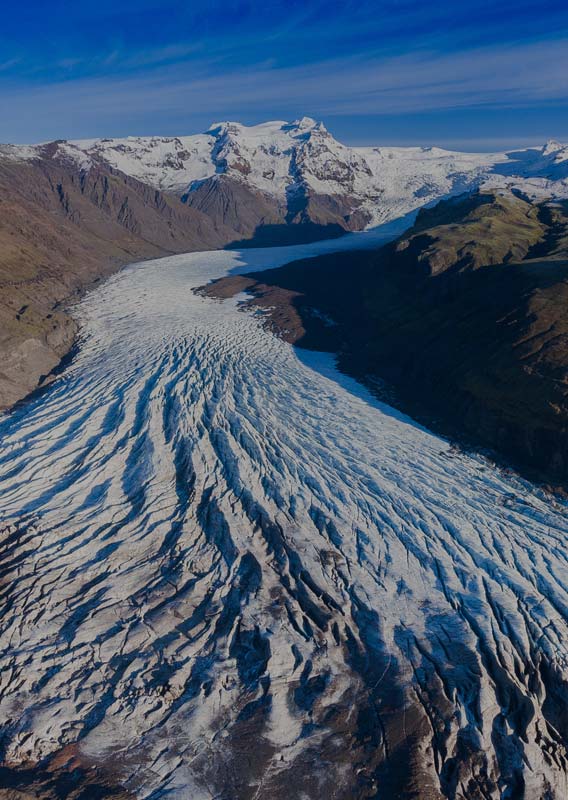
229 572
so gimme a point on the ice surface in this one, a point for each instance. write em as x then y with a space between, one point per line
195 511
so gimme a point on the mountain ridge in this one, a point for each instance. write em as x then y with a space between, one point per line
281 159
79 209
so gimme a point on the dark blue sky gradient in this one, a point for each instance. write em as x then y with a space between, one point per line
473 75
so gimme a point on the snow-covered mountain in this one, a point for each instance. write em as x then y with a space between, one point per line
287 163
228 570
285 160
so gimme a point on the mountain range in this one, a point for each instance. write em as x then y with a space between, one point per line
74 211
302 173
229 570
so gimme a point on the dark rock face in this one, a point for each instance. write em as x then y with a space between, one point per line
63 228
235 205
465 316
263 220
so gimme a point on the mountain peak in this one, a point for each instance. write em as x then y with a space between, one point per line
304 122
303 125
222 127
552 146
308 124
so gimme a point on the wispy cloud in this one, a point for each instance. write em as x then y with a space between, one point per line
149 57
515 75
8 64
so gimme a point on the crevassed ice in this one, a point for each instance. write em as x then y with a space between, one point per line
209 536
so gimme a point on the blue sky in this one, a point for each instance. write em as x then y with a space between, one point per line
472 75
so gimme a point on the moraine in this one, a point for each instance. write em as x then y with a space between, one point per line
229 572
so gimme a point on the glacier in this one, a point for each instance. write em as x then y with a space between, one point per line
229 571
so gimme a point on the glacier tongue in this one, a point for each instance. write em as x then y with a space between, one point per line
228 571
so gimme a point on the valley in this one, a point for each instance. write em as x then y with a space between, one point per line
241 555
469 305
73 212
229 571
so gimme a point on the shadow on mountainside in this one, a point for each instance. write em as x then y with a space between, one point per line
465 316
533 163
284 234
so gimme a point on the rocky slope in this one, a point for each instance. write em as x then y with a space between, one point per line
292 163
61 229
471 306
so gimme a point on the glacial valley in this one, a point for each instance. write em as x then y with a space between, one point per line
229 571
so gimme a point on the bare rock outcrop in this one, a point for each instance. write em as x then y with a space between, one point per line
61 230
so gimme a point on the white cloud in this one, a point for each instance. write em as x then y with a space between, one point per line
512 75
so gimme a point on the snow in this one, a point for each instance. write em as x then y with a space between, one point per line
184 446
79 158
66 151
410 177
167 163
18 152
282 158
